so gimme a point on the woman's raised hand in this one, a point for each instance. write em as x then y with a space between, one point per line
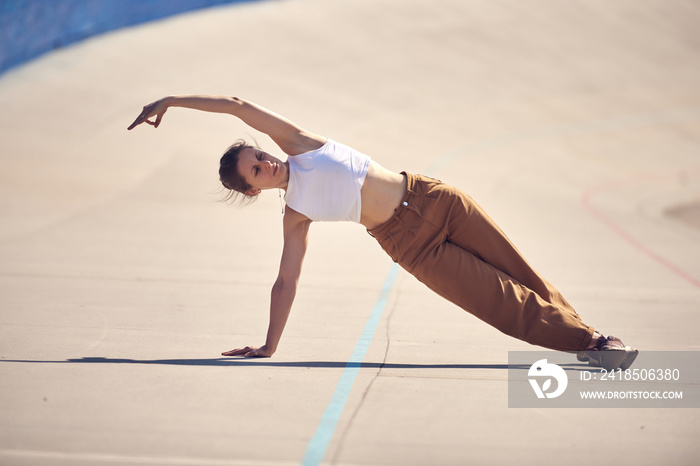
156 109
250 352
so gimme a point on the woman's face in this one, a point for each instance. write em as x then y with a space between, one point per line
262 171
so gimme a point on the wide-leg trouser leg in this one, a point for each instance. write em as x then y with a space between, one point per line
443 238
469 227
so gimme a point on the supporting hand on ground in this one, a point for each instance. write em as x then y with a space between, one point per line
250 352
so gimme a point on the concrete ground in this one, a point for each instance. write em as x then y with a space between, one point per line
575 124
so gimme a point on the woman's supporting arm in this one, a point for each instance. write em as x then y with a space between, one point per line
296 238
288 136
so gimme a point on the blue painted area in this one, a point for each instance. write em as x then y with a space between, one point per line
318 444
29 28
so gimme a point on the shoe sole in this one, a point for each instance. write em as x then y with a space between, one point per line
629 359
611 359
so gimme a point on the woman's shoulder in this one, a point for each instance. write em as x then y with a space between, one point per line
307 143
293 217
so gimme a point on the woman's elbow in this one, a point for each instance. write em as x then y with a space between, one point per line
286 284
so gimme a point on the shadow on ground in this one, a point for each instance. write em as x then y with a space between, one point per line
238 361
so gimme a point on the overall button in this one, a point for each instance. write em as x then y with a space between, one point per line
405 203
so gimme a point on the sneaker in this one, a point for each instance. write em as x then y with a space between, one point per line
609 353
630 353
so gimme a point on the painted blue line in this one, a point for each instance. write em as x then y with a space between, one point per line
318 444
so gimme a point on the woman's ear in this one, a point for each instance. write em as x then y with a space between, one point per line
252 192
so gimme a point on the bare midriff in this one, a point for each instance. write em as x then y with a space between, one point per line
381 193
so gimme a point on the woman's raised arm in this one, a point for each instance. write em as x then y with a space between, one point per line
288 136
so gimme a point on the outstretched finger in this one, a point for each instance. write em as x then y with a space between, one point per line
139 119
136 122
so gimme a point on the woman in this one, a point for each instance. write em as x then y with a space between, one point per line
434 231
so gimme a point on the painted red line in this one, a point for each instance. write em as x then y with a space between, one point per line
624 234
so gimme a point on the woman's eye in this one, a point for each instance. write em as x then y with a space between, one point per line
258 156
256 170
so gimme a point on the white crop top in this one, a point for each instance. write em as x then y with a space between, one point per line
324 184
